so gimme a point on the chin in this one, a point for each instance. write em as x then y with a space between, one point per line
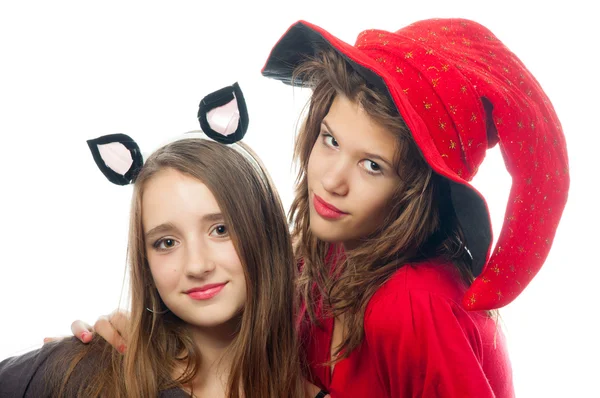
208 321
326 233
207 317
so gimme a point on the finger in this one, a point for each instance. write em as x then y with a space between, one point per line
82 331
104 328
50 339
120 321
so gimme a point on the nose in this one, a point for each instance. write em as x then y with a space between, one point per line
198 261
335 179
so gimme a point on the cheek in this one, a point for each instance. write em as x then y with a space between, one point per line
377 202
165 273
231 264
316 162
229 260
309 169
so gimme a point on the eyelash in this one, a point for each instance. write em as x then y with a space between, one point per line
326 135
324 138
156 245
373 173
221 225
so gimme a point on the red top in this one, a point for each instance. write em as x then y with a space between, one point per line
418 342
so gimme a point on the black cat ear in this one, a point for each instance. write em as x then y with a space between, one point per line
118 157
223 115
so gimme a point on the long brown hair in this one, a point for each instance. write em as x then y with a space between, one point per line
265 356
421 223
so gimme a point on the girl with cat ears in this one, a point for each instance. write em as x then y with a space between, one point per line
211 275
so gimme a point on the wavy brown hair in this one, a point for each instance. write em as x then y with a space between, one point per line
421 222
264 353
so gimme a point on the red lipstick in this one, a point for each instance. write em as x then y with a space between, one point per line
205 292
325 209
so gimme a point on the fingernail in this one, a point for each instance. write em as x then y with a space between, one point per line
85 336
122 348
46 340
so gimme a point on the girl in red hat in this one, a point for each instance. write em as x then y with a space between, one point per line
399 281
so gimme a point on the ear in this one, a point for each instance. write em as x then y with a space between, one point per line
223 115
118 157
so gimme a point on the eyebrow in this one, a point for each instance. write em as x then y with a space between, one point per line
162 228
166 227
375 156
367 154
213 217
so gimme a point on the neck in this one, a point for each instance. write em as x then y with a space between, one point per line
212 343
349 245
216 358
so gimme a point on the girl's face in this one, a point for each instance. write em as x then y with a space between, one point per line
194 264
351 176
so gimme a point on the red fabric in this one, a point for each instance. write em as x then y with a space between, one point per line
419 342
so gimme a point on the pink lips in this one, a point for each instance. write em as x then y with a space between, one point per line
205 292
325 209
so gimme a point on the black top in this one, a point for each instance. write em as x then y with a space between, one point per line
26 375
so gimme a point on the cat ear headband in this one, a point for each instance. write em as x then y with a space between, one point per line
223 117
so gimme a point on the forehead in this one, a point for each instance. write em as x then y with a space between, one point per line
171 196
350 123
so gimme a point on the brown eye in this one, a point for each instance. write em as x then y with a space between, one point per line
330 141
371 167
374 166
165 244
220 230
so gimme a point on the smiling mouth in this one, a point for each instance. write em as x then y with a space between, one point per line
205 292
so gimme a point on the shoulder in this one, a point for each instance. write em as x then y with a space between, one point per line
434 279
435 276
16 373
419 298
42 372
32 373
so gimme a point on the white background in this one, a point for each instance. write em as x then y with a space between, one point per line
70 71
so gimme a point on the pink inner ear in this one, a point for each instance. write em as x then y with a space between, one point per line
224 119
116 156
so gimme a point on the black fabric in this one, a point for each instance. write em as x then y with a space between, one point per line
296 46
220 98
128 143
473 217
321 394
302 43
28 375
19 376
